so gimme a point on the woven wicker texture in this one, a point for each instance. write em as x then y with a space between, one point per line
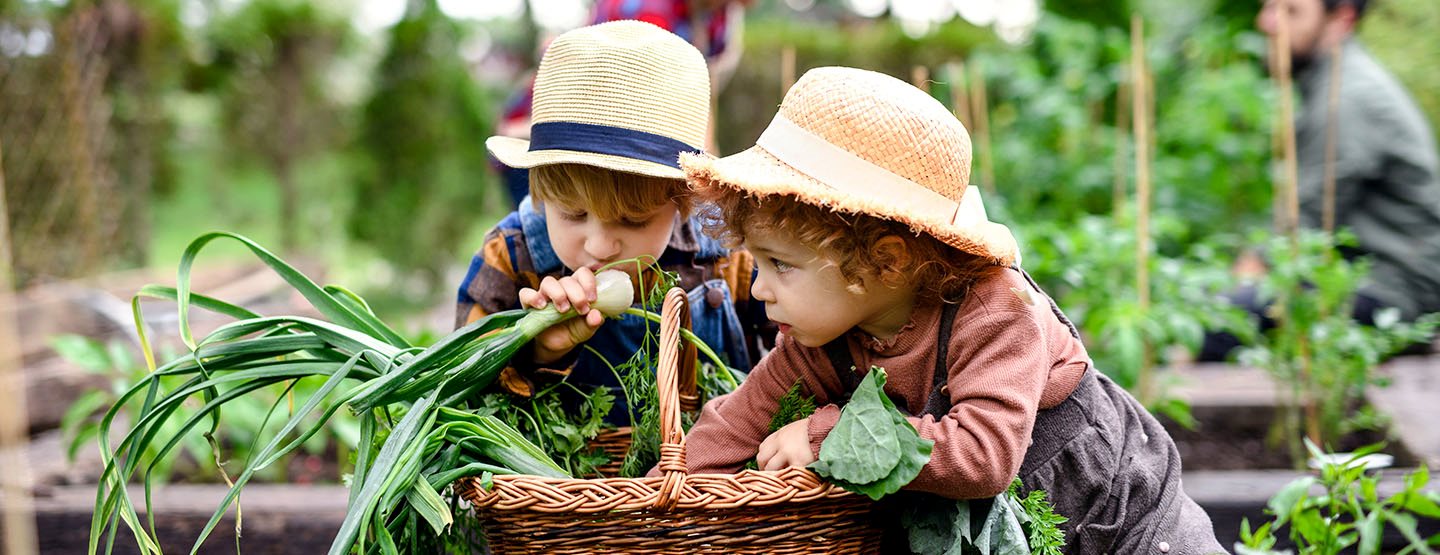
883 121
788 511
624 74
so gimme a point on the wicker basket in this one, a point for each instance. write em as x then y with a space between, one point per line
783 512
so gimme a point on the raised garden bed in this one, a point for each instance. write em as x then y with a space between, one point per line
1232 469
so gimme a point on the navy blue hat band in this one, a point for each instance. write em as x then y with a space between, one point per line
605 139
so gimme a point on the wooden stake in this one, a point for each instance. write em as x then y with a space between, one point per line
15 497
787 69
1290 179
1332 123
980 110
1122 120
959 101
920 77
1140 109
1277 149
1292 208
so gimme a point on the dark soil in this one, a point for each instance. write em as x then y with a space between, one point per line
1242 439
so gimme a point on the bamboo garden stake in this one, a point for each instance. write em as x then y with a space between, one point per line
1290 179
1332 123
980 110
1140 107
959 101
787 69
920 77
15 500
1290 184
1122 120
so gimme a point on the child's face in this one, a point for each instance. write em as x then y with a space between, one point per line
810 298
582 239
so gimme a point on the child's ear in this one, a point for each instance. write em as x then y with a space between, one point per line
893 253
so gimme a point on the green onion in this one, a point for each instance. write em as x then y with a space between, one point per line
401 467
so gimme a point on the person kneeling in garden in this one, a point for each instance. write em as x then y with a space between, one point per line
873 252
615 105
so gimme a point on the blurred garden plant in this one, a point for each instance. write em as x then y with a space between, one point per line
1096 285
1061 129
1349 514
1322 359
245 417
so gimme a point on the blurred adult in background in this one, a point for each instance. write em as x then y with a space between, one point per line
713 26
1387 185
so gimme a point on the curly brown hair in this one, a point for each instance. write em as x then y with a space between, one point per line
939 271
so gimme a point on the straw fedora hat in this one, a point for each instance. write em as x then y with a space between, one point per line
625 95
863 142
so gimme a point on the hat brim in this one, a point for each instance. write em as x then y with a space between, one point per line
516 153
757 172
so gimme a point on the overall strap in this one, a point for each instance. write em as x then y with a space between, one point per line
839 354
838 351
938 404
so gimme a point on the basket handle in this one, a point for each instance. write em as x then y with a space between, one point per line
673 313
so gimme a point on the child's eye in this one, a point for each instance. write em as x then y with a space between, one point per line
578 216
781 266
636 224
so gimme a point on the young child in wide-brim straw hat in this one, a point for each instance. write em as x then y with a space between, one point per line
615 105
873 250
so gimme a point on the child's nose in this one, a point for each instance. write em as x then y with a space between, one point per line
760 289
602 246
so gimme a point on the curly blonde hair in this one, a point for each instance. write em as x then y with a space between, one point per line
850 241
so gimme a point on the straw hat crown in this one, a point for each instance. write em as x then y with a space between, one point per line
623 95
863 142
886 122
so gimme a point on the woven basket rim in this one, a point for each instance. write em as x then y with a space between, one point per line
675 489
748 488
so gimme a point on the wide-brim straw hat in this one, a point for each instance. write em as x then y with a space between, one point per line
862 142
625 95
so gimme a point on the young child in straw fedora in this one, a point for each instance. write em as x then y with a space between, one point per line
873 251
615 106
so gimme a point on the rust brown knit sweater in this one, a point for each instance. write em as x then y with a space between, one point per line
1009 357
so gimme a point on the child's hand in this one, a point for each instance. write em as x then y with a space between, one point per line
577 291
788 446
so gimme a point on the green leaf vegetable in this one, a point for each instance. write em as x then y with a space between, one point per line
873 450
1014 524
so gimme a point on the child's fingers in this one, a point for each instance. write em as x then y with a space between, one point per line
532 298
777 462
553 291
587 282
576 294
766 453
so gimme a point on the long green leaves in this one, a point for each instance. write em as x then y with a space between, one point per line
401 467
343 312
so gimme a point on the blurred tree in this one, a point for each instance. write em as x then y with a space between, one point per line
424 174
1105 13
748 103
270 70
145 53
81 112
